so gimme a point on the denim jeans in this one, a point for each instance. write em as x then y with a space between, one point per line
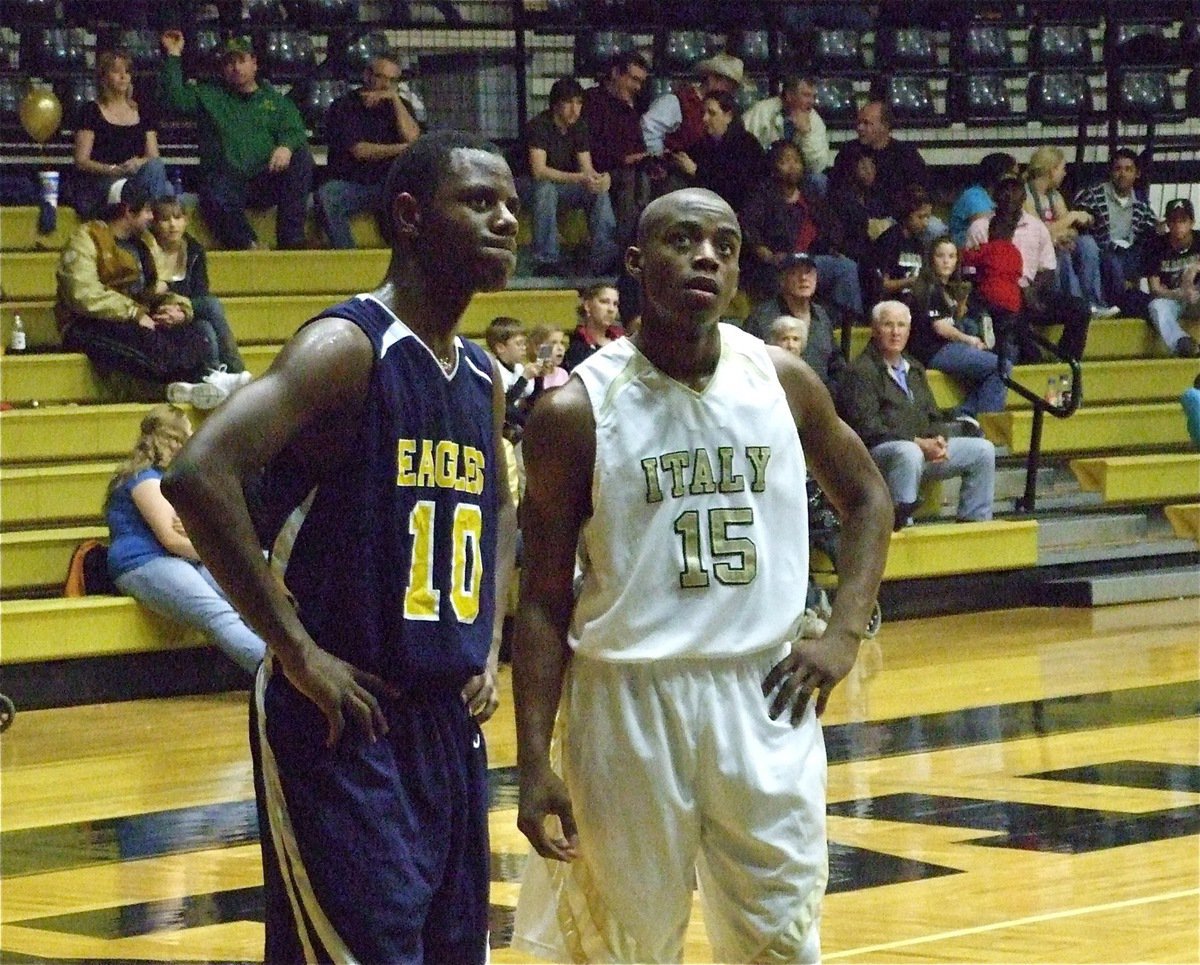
1079 271
548 197
904 466
226 193
210 316
339 201
89 192
838 284
979 369
186 592
1118 267
1165 316
1190 400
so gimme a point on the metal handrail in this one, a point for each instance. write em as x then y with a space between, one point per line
1027 502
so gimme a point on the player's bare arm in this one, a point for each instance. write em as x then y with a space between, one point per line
309 401
481 693
559 447
845 471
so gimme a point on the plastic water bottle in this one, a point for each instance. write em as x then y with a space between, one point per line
1064 390
1053 395
177 183
16 338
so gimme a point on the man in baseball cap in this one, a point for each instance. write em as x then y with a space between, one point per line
1172 266
253 144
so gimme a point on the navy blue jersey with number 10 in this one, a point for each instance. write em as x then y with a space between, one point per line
392 567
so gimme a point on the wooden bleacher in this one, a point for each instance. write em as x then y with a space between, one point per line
55 460
1185 520
1152 478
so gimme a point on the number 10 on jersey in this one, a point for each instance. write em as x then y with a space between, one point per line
422 600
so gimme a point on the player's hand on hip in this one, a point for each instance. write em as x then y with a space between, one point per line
481 695
342 692
813 667
543 797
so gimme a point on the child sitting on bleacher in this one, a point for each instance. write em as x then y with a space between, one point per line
151 558
183 264
507 342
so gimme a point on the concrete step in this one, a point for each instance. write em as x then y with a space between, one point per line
1131 587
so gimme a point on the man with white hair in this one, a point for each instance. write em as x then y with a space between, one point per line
885 398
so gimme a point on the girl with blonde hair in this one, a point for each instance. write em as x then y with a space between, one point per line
151 558
115 138
1078 253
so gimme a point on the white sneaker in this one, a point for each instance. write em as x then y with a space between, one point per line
1109 311
989 331
202 395
230 382
812 627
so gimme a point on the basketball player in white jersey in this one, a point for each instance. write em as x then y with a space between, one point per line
687 746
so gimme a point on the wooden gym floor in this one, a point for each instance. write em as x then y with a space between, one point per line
1004 787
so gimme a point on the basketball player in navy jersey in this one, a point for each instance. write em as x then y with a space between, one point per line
376 438
673 463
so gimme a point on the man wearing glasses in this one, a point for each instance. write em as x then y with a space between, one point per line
366 130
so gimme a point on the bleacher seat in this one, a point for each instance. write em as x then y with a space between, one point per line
836 50
1056 45
982 46
73 93
682 49
836 100
202 52
313 96
906 48
263 11
979 97
54 50
1189 39
12 90
288 55
33 11
1138 44
142 45
910 98
318 14
124 13
1060 96
555 12
594 49
753 47
1144 95
1156 477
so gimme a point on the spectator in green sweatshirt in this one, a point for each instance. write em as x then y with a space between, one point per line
253 145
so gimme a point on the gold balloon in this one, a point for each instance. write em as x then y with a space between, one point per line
40 113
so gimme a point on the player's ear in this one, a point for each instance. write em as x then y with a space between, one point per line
406 215
633 261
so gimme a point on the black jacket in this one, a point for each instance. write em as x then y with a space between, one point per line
875 407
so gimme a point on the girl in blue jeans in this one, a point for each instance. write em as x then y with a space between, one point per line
151 558
944 338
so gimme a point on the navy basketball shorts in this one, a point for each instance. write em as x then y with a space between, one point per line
371 852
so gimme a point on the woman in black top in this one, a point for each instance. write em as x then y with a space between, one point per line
728 159
940 339
115 138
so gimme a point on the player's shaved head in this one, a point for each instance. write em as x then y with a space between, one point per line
669 207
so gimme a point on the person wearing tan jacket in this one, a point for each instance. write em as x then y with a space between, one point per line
112 306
